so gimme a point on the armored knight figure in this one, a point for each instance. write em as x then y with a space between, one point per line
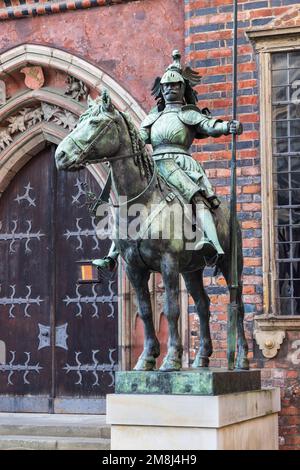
171 128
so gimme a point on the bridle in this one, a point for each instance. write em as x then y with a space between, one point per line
107 186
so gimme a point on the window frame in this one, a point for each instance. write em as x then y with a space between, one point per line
270 327
267 42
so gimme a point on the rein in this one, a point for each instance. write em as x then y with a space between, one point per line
107 185
143 192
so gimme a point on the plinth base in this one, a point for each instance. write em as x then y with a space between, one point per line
188 382
236 421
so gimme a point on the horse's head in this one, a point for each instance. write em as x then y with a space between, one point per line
95 137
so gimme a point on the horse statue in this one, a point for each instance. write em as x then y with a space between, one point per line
104 133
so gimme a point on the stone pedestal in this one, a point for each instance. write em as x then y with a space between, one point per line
244 420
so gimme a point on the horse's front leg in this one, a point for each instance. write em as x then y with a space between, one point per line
169 270
194 285
139 279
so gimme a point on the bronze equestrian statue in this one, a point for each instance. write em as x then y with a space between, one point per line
167 180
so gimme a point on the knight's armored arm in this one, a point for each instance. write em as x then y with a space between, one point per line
217 127
213 127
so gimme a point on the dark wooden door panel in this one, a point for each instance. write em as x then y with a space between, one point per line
25 254
88 311
60 337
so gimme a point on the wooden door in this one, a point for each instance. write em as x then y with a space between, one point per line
58 338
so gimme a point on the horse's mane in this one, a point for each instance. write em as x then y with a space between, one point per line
142 160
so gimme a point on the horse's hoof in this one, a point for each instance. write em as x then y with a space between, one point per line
170 365
242 364
200 362
145 364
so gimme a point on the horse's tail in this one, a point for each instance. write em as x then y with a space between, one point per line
222 220
217 270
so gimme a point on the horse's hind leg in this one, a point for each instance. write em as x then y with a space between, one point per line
194 285
169 271
242 361
139 280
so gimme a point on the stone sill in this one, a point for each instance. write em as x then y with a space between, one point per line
263 33
277 322
270 331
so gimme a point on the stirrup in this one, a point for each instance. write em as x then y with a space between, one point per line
105 263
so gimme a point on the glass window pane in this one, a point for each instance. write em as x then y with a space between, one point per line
283 234
281 128
294 60
295 216
294 75
280 93
282 216
295 127
296 234
283 250
296 254
295 144
294 90
280 77
284 273
295 179
294 111
282 198
281 145
280 111
279 60
295 163
286 307
281 181
295 197
281 163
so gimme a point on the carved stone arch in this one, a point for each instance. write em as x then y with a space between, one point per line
32 54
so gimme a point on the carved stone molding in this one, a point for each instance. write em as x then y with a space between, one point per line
28 117
77 89
34 77
2 93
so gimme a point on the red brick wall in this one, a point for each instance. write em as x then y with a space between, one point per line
208 25
132 42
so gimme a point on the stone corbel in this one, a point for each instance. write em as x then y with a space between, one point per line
270 331
269 341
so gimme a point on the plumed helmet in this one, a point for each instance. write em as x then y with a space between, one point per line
171 76
173 73
176 73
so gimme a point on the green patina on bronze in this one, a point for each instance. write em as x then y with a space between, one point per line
186 382
106 134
